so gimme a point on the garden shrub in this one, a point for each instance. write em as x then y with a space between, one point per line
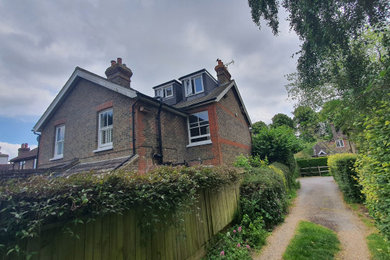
263 195
27 205
373 165
341 166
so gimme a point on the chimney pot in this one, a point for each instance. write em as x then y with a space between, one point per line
119 73
223 74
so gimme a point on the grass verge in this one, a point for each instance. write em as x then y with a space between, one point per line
312 241
378 245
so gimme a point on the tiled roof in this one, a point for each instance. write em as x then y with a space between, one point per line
28 155
212 96
100 166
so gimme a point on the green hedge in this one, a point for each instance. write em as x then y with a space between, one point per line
27 205
374 165
314 162
341 166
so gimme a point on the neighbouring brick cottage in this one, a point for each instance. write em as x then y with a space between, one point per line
339 144
26 159
103 123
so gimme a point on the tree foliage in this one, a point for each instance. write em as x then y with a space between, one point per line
258 126
323 27
307 122
277 145
282 120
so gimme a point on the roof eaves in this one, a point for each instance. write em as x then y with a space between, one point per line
167 83
223 93
81 73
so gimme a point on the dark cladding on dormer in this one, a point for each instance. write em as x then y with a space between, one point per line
170 92
197 84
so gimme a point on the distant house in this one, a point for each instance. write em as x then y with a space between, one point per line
4 165
338 144
26 159
97 123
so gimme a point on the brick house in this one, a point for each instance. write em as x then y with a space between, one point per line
26 159
339 144
97 123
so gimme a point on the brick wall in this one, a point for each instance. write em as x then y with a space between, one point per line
234 135
79 113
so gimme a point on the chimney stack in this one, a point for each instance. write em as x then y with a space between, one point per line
23 149
119 73
223 74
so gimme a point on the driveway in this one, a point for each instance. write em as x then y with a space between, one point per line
320 201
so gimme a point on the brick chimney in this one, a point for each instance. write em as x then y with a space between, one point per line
119 73
23 149
223 74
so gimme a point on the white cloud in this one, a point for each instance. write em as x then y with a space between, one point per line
11 149
41 43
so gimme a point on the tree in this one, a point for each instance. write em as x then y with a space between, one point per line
307 122
323 27
282 120
258 126
277 144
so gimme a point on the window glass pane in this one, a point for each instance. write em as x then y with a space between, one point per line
109 118
58 134
198 84
60 147
188 88
204 130
194 132
203 116
159 93
101 119
193 119
168 92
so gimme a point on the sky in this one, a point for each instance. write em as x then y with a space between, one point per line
41 43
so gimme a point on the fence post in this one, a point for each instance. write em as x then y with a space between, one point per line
319 171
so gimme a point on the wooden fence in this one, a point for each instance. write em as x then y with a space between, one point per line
315 171
119 236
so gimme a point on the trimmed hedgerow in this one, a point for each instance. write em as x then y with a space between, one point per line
27 205
341 166
373 165
314 162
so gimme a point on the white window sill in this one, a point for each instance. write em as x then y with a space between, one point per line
200 143
101 149
56 158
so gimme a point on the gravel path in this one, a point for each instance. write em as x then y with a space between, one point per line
320 201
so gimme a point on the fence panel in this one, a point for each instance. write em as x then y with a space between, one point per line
120 237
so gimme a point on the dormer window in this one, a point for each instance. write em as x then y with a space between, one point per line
164 92
193 85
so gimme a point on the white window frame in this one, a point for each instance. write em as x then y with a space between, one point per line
340 143
57 155
190 138
35 163
163 92
22 165
192 85
108 145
